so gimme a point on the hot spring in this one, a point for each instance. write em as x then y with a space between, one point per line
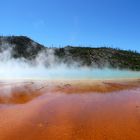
65 73
64 103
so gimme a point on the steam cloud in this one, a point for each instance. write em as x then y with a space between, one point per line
47 66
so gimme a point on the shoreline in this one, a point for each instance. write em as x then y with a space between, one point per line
66 79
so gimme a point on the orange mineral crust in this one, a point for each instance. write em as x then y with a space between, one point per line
70 110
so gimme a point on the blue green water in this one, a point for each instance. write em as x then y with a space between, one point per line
67 73
92 74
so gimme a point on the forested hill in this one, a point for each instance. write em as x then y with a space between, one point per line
24 47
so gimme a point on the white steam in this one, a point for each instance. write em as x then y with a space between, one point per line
47 66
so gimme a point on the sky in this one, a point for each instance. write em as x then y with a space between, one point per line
93 23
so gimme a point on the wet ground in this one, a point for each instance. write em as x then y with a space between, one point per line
70 110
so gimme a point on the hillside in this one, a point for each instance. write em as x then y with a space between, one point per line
21 46
85 56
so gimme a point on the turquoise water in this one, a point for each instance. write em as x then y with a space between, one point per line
92 74
67 73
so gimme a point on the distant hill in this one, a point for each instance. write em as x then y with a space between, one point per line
21 46
25 47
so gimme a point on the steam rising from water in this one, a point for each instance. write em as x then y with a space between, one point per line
11 68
